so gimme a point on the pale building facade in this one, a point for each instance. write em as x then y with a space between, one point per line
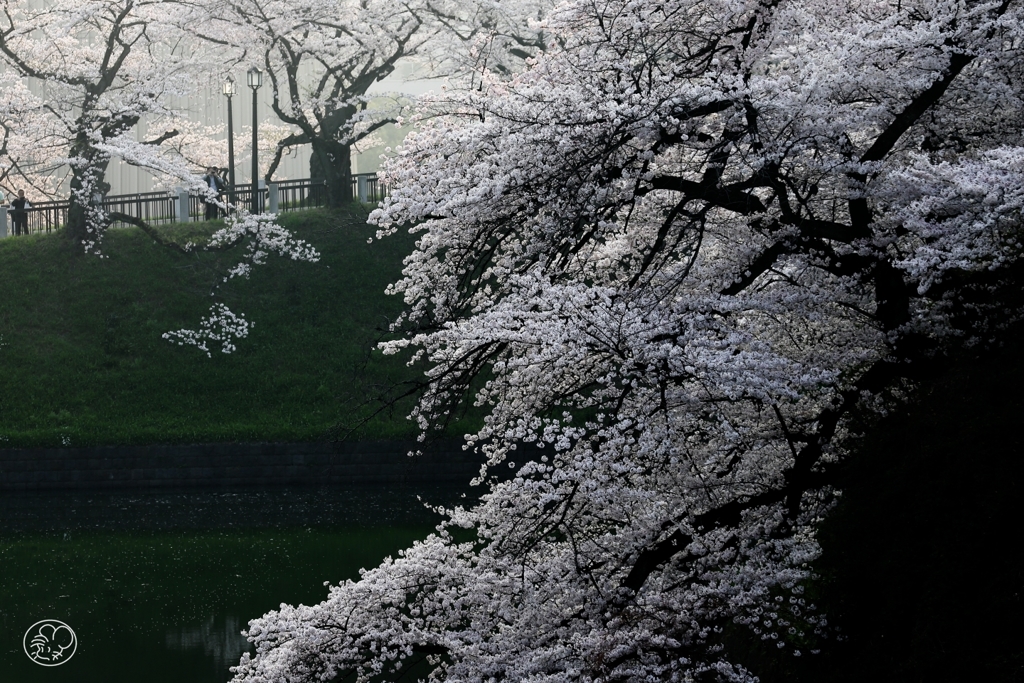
209 107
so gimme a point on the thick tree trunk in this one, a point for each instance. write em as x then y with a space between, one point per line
88 181
332 162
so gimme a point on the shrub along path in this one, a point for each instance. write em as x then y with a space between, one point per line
84 362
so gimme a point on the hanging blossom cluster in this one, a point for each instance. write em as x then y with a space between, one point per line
675 260
259 236
262 236
219 326
94 219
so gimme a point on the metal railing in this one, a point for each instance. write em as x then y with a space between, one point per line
296 195
42 217
240 197
374 189
163 207
152 207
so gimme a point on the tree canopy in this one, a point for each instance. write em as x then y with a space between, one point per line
105 67
321 59
676 258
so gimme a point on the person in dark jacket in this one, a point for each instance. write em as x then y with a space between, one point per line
216 185
19 215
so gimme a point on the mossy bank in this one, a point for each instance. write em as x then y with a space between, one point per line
85 363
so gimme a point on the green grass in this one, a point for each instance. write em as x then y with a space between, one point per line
84 362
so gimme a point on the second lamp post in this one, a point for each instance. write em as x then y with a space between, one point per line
254 78
229 92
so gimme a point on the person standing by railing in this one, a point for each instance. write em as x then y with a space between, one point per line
216 186
19 215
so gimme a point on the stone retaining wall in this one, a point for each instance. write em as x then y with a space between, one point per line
232 465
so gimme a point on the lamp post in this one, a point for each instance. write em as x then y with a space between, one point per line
229 91
254 77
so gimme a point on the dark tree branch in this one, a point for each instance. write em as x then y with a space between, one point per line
804 476
729 197
162 138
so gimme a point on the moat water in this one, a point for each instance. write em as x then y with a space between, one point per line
158 586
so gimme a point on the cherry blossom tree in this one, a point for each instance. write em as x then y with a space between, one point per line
102 68
677 260
321 58
102 65
481 39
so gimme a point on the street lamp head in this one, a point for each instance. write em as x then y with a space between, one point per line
254 77
229 87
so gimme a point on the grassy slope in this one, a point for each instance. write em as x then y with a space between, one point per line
84 362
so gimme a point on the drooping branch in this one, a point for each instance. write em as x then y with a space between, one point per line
290 141
805 474
154 234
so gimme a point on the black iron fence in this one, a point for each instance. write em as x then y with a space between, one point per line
40 217
152 207
307 193
165 207
296 195
239 197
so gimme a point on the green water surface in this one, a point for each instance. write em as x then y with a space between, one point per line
157 588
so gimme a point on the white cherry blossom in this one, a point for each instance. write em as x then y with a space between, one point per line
673 259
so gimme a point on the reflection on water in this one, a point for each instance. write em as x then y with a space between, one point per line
215 509
158 586
219 637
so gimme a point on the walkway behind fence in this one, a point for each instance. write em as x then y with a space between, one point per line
181 206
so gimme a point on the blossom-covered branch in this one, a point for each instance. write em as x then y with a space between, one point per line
672 260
